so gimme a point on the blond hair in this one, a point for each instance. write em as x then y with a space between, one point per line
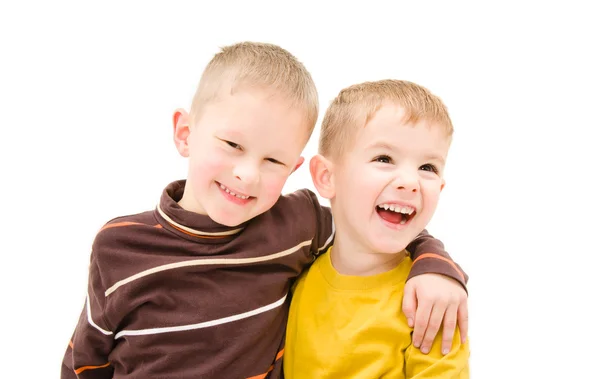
257 64
356 105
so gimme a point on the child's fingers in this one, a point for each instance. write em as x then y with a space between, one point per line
435 321
449 328
409 304
421 320
463 319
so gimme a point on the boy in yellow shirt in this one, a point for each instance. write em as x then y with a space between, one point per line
383 149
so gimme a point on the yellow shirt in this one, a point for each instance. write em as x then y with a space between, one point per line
353 327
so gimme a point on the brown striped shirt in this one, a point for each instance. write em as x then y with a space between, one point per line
172 294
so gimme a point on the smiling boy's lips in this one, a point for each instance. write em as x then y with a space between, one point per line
233 198
239 194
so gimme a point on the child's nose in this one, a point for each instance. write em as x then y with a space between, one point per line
246 173
407 182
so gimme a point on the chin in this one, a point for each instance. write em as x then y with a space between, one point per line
381 246
226 220
388 249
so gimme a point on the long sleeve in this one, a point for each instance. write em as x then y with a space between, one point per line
325 228
454 365
429 257
87 354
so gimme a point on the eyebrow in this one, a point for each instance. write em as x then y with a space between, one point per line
435 158
381 145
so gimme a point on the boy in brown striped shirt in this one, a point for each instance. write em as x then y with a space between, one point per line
198 287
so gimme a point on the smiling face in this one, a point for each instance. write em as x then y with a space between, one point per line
241 151
387 184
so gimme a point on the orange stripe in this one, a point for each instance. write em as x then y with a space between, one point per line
195 235
129 223
279 355
126 223
431 255
82 369
263 376
71 344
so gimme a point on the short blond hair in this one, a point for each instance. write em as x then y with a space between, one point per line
264 65
356 105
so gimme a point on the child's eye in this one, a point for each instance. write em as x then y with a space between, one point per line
429 167
383 159
233 144
273 160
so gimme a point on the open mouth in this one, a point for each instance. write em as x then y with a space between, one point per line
396 213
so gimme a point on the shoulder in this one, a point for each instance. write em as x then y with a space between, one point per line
124 229
299 198
124 245
302 202
300 209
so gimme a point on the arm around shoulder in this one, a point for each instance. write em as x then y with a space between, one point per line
321 216
430 257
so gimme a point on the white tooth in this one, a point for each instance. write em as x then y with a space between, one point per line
392 208
386 206
398 209
402 222
411 211
227 190
403 210
222 186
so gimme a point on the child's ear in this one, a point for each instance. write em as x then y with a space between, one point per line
443 184
321 170
181 131
298 164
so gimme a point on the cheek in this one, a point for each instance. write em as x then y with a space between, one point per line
208 165
370 185
360 195
431 195
273 184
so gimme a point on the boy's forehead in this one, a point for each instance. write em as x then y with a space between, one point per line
393 134
277 132
259 102
252 132
389 112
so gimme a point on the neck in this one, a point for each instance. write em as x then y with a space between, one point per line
188 203
349 258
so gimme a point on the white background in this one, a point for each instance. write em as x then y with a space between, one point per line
87 94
